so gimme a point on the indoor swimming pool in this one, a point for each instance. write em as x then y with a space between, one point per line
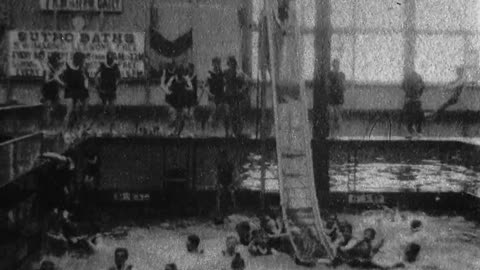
449 242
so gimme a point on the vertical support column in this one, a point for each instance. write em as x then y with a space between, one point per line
409 35
246 36
322 46
320 151
9 90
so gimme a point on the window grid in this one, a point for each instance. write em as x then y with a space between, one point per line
353 31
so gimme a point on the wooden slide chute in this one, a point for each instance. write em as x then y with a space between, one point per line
299 203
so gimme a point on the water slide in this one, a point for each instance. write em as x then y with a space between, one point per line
299 203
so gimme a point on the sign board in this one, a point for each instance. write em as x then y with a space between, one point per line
82 5
366 199
28 50
131 197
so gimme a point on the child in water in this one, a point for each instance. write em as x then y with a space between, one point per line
238 263
358 254
193 242
121 257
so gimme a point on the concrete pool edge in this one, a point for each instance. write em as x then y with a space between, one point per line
205 201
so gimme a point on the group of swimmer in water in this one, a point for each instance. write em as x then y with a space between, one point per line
262 238
359 253
347 249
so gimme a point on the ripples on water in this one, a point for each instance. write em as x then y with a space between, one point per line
428 176
450 243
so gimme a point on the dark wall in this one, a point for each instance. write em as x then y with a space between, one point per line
141 164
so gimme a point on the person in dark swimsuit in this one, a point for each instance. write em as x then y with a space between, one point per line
216 85
109 79
362 253
177 96
413 86
76 92
216 82
336 90
51 86
236 95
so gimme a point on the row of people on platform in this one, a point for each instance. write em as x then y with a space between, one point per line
227 89
75 81
413 86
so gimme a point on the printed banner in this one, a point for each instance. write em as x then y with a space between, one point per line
82 5
28 51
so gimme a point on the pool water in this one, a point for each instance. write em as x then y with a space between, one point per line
450 243
379 176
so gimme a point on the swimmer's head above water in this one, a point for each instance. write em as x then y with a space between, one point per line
411 252
238 263
415 225
121 257
193 241
331 220
47 265
346 229
369 234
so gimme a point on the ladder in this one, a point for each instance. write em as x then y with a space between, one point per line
301 213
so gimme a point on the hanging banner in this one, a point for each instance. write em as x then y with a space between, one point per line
169 48
82 5
28 51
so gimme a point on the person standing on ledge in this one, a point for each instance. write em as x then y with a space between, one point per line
413 86
109 79
336 89
76 91
236 95
51 86
216 87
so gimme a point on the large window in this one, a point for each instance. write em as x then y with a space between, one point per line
370 38
367 40
437 56
379 58
444 30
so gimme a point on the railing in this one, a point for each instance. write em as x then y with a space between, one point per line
17 156
15 119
